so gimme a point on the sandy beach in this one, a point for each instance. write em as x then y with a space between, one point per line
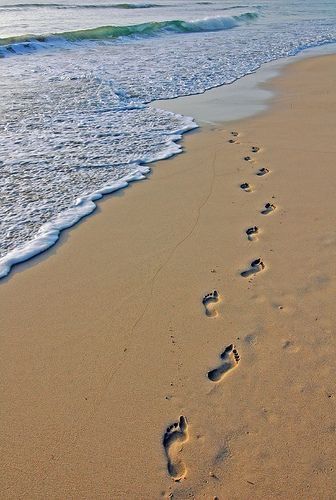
107 340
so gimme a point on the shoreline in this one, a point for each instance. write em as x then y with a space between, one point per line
109 340
50 232
246 97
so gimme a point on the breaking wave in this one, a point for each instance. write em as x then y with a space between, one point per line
23 43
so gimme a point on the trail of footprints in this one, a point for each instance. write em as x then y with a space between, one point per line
252 233
177 434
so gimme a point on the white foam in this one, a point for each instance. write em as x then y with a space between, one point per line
50 232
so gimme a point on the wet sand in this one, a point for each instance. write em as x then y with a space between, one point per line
112 337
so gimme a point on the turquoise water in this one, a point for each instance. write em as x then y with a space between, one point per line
76 80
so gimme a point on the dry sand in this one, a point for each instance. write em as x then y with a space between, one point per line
105 341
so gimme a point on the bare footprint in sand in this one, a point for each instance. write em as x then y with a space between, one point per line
252 233
262 171
255 149
208 301
235 140
174 437
248 158
257 265
269 207
231 359
245 186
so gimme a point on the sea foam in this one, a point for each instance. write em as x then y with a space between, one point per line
49 233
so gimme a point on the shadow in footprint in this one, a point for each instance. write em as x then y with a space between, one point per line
208 301
255 149
246 187
235 140
269 207
230 359
256 266
252 233
174 437
262 171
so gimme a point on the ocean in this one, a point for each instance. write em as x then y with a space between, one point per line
77 77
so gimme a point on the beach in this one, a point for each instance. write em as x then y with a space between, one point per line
109 337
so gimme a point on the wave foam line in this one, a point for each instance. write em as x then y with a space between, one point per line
49 232
20 6
20 44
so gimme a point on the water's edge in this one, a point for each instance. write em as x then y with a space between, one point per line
50 232
241 99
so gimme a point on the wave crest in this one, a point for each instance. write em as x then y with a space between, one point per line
25 43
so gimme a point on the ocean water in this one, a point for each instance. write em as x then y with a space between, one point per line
76 80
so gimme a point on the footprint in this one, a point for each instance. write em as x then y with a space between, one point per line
247 158
269 207
290 346
235 135
251 233
255 149
174 437
208 300
246 187
257 265
262 171
231 359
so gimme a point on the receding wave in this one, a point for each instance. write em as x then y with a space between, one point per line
19 6
23 43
